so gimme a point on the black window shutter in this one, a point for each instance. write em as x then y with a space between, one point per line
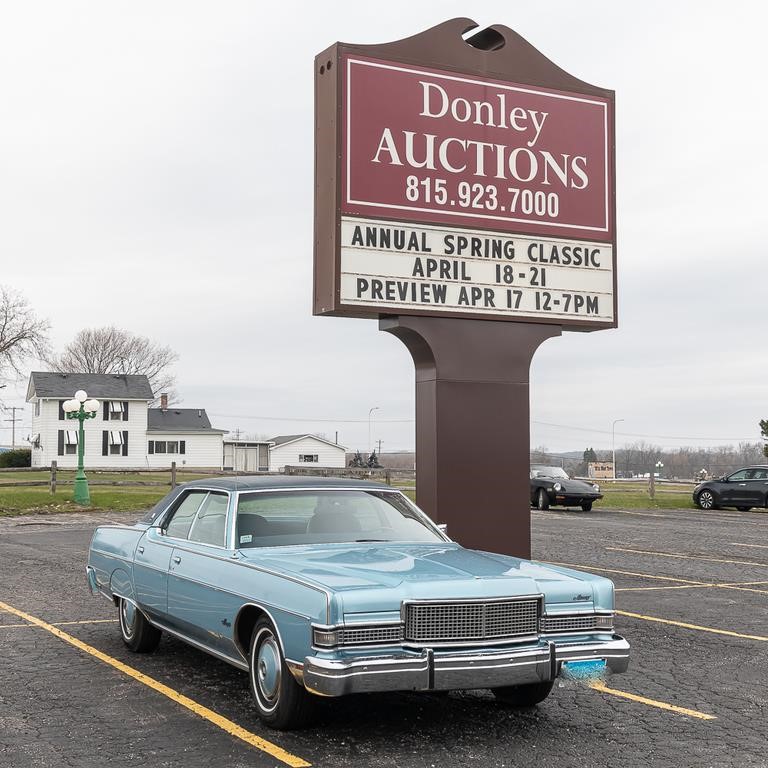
61 442
125 442
183 446
106 410
105 442
61 412
151 447
125 410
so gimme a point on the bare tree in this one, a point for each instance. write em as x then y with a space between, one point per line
114 350
22 333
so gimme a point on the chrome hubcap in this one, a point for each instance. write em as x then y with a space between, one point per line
267 668
706 500
127 618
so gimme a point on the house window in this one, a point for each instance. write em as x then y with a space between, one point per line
115 443
115 410
308 458
37 407
160 446
70 441
172 446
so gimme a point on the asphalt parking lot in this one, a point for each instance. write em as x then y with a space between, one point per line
692 591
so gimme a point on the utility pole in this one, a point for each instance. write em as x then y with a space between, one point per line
13 421
379 442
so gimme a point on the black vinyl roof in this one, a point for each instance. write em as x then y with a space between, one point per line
278 482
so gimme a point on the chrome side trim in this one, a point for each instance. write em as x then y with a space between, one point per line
201 646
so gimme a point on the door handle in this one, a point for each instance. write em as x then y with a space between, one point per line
177 559
741 485
140 550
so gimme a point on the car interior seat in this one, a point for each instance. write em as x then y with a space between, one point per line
333 515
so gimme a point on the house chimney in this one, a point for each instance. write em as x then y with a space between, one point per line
164 401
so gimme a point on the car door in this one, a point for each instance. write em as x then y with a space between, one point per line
757 487
199 604
733 489
152 558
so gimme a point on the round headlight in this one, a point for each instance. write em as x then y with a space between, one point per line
558 487
596 486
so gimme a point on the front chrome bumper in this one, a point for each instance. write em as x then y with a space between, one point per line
426 670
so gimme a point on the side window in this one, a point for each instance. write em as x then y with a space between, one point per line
210 525
183 514
760 474
740 475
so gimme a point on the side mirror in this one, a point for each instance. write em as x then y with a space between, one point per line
443 528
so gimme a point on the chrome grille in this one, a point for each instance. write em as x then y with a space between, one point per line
462 622
390 633
585 622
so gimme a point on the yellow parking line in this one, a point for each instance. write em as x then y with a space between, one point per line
222 722
685 625
652 589
630 573
744 586
62 623
687 557
602 688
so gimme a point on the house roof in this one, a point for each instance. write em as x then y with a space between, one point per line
285 439
180 420
103 386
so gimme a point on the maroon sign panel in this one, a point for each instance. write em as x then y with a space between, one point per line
432 146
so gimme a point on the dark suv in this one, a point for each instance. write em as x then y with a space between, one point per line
744 489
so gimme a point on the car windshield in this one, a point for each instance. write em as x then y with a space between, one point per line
282 518
556 473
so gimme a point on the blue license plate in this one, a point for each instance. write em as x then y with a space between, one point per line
588 669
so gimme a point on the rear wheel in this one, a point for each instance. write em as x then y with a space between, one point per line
542 500
281 702
138 634
706 500
524 695
586 506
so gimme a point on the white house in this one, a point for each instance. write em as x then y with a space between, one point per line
306 451
183 435
115 438
125 431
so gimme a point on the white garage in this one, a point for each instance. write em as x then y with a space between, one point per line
304 451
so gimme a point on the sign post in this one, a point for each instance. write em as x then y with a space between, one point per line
465 197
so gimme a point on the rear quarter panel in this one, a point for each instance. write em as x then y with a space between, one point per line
111 557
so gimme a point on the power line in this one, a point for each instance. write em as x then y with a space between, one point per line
534 421
640 434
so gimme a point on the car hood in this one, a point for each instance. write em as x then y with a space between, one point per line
377 577
572 486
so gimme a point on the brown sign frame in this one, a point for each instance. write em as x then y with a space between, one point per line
441 47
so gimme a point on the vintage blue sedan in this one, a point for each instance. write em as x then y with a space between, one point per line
324 587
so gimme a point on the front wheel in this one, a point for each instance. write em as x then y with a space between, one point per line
281 702
542 500
524 695
586 506
138 634
706 500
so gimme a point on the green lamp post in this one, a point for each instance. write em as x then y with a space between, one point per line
81 408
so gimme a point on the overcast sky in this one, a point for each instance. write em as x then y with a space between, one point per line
156 173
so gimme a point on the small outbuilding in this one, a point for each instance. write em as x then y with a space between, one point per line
304 450
183 435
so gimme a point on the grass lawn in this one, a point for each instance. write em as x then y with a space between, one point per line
21 500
